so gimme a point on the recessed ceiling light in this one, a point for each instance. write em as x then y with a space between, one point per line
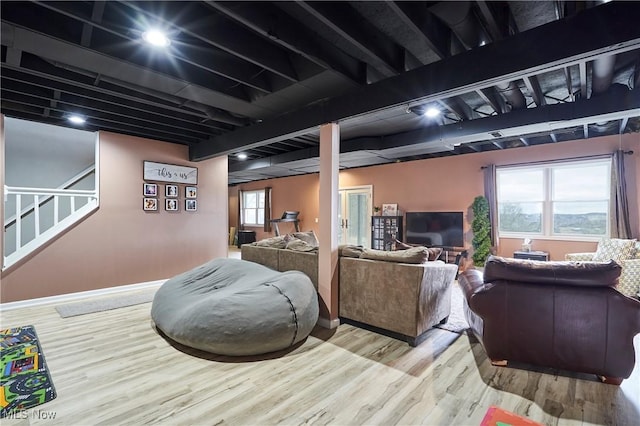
76 119
432 112
156 38
241 156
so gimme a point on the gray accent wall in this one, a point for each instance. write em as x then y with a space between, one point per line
45 156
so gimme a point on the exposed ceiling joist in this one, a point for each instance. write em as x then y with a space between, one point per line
194 59
74 55
424 24
87 29
533 86
288 33
339 17
215 30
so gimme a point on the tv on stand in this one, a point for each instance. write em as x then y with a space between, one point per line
435 229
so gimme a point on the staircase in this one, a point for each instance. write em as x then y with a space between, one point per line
41 214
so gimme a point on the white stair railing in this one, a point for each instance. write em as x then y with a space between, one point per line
66 185
80 203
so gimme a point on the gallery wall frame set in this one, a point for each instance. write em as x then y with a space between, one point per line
174 175
151 193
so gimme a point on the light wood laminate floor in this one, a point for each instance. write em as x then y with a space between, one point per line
112 368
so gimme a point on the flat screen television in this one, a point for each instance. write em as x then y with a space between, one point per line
435 229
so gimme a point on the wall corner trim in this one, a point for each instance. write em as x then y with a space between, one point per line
327 323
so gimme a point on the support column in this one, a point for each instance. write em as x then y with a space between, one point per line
328 226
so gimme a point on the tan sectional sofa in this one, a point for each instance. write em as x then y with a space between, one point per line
283 260
407 299
402 298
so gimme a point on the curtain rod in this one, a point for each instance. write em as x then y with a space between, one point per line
588 157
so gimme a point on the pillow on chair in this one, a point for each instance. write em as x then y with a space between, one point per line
615 249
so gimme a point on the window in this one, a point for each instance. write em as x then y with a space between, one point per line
559 199
253 208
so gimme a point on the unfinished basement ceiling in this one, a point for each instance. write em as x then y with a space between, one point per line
260 77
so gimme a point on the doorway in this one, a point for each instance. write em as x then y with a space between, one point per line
354 215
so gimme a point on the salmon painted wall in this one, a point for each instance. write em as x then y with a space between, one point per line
449 184
120 243
292 193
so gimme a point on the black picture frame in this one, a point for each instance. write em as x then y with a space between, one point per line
191 205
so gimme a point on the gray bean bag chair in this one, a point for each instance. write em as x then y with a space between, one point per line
236 307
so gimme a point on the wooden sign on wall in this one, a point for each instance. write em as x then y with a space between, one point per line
170 173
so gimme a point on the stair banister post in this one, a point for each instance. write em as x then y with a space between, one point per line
36 214
18 221
56 203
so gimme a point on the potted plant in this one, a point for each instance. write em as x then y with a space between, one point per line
481 227
376 210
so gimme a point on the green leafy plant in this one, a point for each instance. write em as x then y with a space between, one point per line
481 227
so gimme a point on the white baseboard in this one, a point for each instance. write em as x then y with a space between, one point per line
79 295
327 323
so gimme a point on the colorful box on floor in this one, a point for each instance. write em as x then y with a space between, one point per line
496 416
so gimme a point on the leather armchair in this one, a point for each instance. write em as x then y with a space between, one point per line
563 315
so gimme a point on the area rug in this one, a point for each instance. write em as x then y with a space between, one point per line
105 304
457 322
25 380
496 416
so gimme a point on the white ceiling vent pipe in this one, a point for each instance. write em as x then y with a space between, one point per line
602 74
512 94
602 70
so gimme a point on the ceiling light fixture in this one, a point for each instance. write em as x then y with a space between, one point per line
425 110
156 38
76 119
432 112
241 156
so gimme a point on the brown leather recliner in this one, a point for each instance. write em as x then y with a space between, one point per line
563 315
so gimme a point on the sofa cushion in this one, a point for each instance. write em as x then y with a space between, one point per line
308 237
615 249
629 282
348 250
434 253
412 255
595 274
279 242
300 245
